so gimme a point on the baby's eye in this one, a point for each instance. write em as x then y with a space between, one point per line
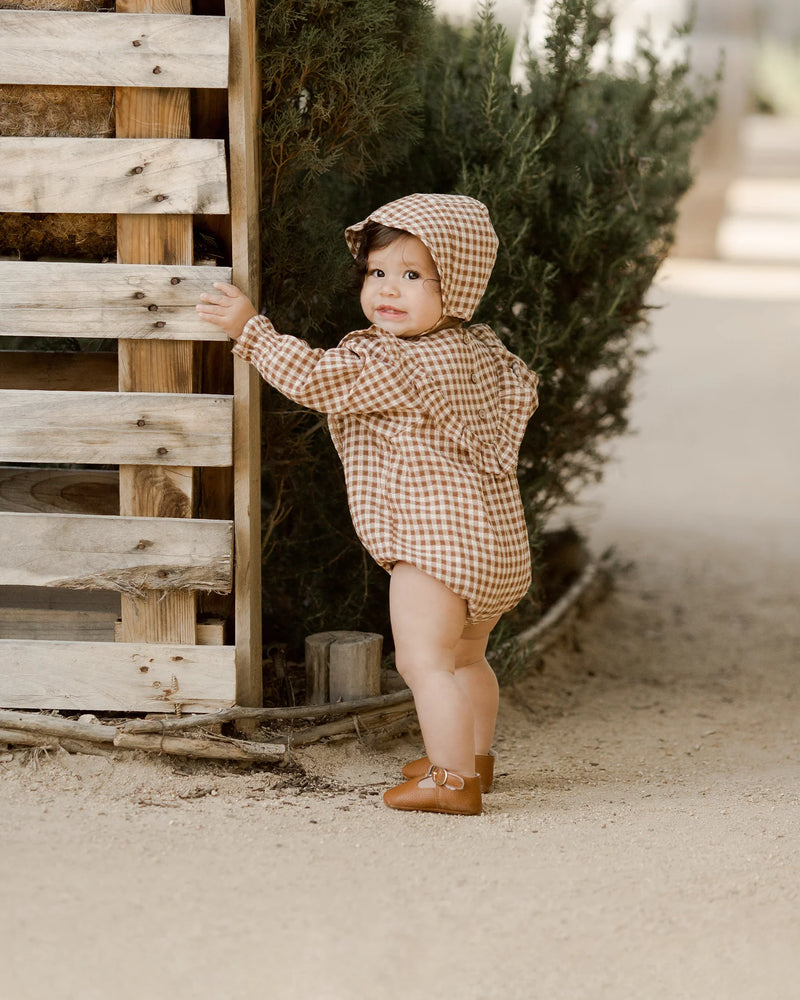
376 272
412 275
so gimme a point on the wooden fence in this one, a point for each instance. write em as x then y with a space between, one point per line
129 479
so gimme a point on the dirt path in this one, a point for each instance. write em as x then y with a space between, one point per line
642 842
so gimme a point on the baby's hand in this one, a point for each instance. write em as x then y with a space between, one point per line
230 309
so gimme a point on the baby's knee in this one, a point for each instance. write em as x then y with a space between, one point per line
416 663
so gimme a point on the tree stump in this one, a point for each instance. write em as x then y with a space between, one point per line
342 666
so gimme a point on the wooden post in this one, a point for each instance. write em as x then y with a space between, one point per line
244 112
342 666
156 366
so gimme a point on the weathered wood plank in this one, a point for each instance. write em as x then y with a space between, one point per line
135 176
59 491
244 109
131 555
109 428
156 366
121 50
72 626
69 371
116 677
44 598
209 633
83 626
105 301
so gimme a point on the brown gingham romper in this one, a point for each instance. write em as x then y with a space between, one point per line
428 428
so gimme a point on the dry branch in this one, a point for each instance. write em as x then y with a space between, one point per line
54 726
379 714
549 627
215 748
76 736
270 714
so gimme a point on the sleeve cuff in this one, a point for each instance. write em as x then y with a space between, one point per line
258 333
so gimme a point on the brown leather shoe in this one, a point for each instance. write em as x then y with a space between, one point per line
451 793
484 765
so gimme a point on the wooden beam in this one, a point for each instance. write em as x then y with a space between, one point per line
72 371
131 555
83 626
139 176
116 677
106 428
72 626
209 633
44 598
156 366
105 301
244 110
71 49
59 491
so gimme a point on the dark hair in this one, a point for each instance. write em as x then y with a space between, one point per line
374 236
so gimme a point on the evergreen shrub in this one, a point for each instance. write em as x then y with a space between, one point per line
582 170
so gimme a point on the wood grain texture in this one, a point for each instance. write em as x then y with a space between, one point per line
135 176
156 366
106 301
74 626
70 371
130 555
59 491
116 677
81 626
244 110
109 428
113 50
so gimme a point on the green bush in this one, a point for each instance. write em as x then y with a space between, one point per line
582 171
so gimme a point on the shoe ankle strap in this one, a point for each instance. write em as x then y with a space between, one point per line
442 777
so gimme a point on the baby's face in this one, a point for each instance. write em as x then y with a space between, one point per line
401 292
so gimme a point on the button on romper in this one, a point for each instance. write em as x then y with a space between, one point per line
428 428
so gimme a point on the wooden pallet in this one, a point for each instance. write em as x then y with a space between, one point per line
105 572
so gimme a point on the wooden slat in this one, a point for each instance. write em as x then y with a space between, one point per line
110 428
209 633
138 176
44 598
113 50
116 677
73 626
59 491
69 371
126 554
82 626
156 366
244 108
104 301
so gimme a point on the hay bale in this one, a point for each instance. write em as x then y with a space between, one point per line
57 111
87 5
30 236
61 111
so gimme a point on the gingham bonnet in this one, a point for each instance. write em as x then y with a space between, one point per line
458 233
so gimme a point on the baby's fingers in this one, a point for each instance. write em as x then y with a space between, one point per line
230 290
215 300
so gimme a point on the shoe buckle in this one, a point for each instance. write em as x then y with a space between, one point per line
440 776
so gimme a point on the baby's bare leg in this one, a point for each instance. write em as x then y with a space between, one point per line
478 681
427 624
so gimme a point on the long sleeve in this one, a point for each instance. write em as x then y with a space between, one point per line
356 377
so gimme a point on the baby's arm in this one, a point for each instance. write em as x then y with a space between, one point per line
229 309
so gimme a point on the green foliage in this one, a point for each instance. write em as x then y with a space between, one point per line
340 100
581 169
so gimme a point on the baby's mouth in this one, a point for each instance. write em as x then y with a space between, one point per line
389 312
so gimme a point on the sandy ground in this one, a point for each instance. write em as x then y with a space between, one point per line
642 840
